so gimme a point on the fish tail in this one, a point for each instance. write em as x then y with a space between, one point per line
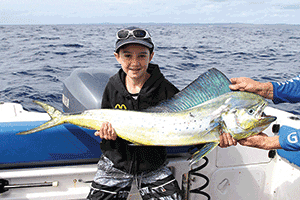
56 119
53 112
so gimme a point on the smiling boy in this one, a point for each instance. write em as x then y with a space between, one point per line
138 85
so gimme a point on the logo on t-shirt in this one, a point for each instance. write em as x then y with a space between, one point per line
292 138
118 106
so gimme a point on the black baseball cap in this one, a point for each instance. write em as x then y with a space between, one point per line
133 35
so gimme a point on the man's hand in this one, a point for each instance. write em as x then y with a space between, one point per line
227 140
249 85
261 141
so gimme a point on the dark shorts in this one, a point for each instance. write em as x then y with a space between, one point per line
162 189
112 183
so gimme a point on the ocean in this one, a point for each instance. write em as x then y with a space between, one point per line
36 59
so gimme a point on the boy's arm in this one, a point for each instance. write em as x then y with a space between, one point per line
105 103
106 131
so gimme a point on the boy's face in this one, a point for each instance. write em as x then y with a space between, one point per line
134 59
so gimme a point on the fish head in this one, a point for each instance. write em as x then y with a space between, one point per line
245 116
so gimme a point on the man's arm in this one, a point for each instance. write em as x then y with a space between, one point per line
261 141
249 85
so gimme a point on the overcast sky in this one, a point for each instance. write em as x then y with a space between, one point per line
148 11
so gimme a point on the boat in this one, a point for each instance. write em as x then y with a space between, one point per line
61 162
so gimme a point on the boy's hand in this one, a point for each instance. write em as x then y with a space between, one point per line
106 132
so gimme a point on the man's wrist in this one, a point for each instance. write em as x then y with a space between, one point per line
266 90
272 143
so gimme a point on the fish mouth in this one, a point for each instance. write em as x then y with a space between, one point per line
263 117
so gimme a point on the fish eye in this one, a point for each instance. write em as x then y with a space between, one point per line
251 111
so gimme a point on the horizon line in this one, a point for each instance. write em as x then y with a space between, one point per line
153 23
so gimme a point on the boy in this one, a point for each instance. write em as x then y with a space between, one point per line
137 86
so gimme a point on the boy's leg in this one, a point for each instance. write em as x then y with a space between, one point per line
165 188
110 183
102 192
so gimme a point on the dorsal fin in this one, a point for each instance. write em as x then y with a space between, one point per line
209 85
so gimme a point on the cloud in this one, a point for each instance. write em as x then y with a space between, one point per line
158 11
291 7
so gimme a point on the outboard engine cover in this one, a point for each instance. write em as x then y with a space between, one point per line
83 89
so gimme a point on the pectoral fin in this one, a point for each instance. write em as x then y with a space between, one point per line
202 152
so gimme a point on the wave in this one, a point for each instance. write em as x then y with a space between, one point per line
34 60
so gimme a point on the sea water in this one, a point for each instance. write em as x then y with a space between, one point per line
36 59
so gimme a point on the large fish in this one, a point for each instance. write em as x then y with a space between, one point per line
193 116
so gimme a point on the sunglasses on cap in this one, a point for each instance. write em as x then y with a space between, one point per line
136 33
